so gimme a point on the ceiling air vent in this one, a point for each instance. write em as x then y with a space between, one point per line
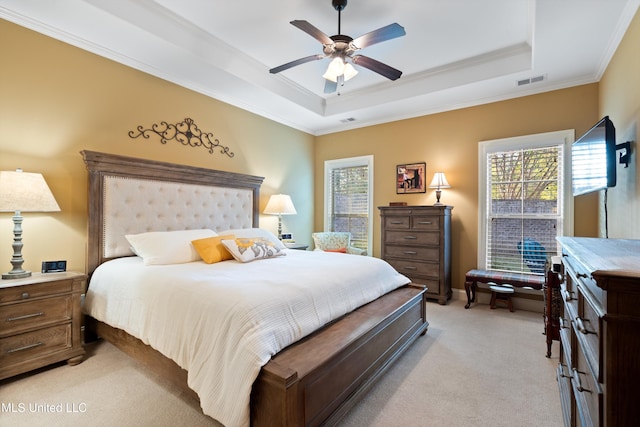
350 119
530 80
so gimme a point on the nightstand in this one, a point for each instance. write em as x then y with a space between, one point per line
40 321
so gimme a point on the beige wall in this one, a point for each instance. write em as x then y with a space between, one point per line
56 100
620 100
448 142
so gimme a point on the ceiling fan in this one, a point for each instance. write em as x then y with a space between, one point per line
341 48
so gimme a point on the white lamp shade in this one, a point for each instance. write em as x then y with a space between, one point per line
349 72
280 204
335 69
439 181
25 192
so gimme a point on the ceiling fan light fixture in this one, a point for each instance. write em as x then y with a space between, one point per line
349 71
336 68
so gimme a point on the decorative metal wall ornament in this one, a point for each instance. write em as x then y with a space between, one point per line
185 132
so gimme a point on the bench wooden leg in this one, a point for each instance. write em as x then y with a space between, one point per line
470 289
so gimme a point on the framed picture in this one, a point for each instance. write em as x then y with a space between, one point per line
410 178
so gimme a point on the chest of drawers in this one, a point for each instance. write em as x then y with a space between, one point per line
598 371
40 321
416 241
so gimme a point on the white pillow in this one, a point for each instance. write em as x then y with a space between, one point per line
247 249
167 247
255 232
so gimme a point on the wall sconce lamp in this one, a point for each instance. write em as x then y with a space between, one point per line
23 192
280 204
438 182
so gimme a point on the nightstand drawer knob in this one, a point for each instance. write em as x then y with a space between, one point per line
25 295
26 316
26 347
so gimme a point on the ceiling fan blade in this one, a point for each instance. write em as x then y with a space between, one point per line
377 66
295 63
312 31
389 32
330 87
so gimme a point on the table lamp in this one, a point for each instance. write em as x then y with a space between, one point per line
23 192
438 182
280 204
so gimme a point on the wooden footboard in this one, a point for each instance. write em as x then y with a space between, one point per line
319 379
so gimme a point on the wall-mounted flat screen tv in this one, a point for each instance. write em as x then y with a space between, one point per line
593 159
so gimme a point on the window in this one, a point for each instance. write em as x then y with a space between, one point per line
348 204
523 205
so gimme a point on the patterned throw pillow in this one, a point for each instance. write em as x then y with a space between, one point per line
247 249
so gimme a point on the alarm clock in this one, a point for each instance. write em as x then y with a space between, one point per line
54 266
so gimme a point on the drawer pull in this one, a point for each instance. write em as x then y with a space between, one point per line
26 347
561 323
410 237
576 378
425 222
581 275
410 268
581 327
25 295
562 372
397 222
568 295
26 316
410 252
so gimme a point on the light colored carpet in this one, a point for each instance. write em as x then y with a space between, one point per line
476 367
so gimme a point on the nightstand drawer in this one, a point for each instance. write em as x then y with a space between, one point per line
32 314
411 252
18 348
19 293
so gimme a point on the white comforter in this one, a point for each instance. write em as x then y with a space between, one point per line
222 322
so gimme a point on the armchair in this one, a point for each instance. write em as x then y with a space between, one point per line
335 241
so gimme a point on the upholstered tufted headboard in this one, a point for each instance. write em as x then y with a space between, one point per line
129 195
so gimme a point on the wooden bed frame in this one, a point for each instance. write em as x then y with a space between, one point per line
315 381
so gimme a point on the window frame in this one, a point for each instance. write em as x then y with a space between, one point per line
329 165
541 140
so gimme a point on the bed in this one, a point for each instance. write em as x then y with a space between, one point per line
334 341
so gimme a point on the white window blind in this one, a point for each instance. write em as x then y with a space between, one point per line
348 190
525 208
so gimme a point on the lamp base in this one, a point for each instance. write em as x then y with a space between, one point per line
20 274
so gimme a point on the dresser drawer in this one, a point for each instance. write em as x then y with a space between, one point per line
412 238
425 222
26 315
30 345
19 293
397 222
411 252
587 392
587 325
416 268
569 292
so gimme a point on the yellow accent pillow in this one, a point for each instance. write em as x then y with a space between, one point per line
211 249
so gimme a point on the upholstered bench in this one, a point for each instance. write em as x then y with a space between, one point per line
517 280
